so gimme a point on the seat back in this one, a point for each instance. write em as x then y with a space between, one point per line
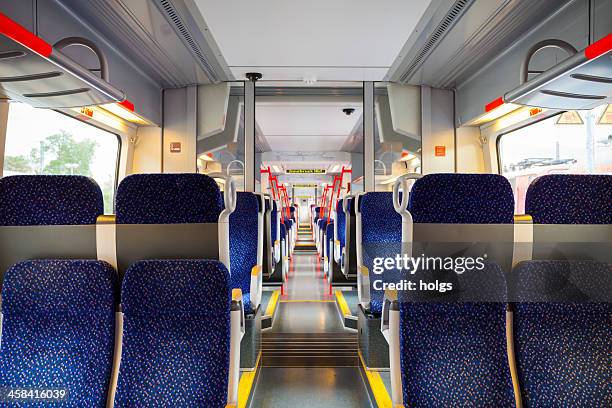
562 311
462 199
244 237
58 328
570 199
562 332
381 236
340 233
48 217
452 348
188 198
453 344
170 216
176 334
49 200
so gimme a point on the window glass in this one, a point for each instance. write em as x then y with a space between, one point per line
397 133
43 141
220 143
577 142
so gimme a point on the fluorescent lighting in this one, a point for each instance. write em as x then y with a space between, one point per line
125 110
494 114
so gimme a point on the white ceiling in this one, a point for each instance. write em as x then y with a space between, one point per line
306 126
352 40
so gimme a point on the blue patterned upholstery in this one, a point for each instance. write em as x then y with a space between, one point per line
462 199
244 235
58 329
329 237
453 352
273 224
168 199
381 236
283 231
570 199
176 334
341 221
49 200
562 332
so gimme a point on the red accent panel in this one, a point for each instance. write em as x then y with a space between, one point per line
494 104
599 47
127 105
19 34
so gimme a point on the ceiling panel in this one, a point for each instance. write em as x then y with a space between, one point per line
293 39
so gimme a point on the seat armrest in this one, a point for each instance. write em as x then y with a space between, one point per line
256 286
389 326
388 304
363 286
237 328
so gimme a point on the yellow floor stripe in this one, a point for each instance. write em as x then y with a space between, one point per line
342 303
272 303
383 400
246 384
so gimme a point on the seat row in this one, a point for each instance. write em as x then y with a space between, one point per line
530 329
172 343
182 218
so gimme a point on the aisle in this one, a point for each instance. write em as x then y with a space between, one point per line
308 358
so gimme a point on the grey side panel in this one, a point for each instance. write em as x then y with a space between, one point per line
167 241
46 242
572 242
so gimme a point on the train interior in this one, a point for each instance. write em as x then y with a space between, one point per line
234 204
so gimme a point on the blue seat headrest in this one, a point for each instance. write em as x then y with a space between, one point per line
49 200
570 199
168 199
462 199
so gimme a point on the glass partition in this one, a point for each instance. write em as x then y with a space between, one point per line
220 141
397 133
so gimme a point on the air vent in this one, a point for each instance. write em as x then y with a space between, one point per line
168 8
438 34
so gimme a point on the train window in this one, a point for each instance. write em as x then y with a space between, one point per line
397 133
578 142
43 141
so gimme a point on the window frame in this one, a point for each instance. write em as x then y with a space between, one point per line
514 129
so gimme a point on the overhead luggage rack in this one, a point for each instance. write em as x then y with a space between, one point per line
582 81
34 72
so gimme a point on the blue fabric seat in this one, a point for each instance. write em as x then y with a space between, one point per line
49 200
381 236
562 333
341 224
453 345
562 312
176 340
168 199
462 199
244 235
570 199
453 349
329 240
58 329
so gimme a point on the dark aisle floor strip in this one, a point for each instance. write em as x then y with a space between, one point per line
309 350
